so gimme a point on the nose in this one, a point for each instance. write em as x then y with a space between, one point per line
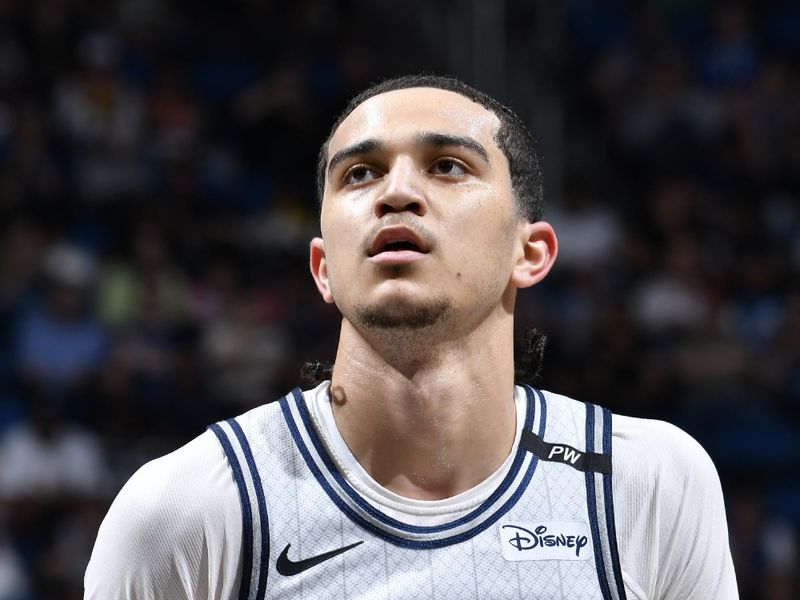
403 190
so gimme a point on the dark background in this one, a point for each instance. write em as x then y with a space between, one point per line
157 198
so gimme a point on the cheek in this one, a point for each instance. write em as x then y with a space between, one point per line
342 255
484 261
334 263
486 228
341 236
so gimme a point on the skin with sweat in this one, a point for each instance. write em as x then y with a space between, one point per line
423 383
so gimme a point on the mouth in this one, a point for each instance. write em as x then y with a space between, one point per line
396 245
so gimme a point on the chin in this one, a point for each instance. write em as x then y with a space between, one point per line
414 314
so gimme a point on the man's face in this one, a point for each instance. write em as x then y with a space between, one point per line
418 218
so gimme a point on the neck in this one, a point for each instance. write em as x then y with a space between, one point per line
426 420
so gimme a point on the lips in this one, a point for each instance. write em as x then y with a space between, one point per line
397 239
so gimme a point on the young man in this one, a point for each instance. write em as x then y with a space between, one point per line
420 470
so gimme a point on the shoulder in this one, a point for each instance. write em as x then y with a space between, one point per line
670 513
176 513
192 481
663 481
649 452
654 462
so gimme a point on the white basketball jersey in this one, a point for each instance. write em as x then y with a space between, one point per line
545 532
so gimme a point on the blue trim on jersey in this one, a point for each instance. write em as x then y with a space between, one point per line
247 515
609 502
383 517
262 506
389 537
592 505
530 414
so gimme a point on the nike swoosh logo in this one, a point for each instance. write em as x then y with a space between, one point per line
287 566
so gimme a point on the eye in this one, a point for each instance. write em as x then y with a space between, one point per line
450 167
359 174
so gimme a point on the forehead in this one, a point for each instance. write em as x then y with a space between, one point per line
403 113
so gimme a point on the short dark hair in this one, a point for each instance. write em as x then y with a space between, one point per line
513 138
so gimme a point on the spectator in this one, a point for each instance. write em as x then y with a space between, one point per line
60 343
46 457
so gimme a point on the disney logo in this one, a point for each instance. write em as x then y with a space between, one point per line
525 539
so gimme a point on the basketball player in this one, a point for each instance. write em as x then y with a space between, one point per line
420 470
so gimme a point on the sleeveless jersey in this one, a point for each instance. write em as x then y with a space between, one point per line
545 532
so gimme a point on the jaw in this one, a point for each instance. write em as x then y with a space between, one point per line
410 351
408 314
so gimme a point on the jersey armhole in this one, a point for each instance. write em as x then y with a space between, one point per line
636 591
255 521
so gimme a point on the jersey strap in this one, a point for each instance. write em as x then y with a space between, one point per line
600 503
255 523
563 453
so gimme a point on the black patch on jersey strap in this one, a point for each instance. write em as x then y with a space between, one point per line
287 566
577 459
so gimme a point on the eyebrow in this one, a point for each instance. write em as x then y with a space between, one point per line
438 140
363 147
424 138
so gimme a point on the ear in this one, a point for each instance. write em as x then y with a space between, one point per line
537 253
319 269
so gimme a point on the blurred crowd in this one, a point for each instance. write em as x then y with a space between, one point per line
157 198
